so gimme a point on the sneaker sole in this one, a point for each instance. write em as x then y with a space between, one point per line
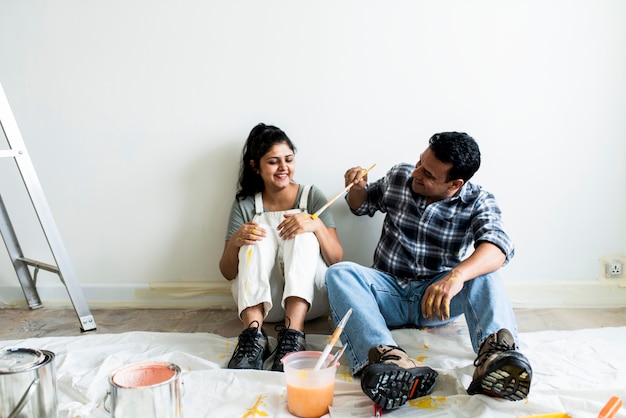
511 381
253 365
391 387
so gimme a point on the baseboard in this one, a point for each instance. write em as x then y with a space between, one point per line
567 294
217 294
189 294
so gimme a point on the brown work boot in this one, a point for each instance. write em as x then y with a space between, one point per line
501 371
392 377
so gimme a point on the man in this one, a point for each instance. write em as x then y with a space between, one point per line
425 274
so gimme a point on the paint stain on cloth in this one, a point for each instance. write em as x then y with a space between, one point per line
428 402
255 410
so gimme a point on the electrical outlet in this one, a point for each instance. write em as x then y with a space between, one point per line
614 268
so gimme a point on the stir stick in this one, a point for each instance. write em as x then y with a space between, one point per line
338 355
333 340
346 190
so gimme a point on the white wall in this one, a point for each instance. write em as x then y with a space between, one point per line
135 112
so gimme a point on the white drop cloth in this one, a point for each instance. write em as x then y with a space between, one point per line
574 371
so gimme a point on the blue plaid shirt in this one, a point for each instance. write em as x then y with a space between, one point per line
420 241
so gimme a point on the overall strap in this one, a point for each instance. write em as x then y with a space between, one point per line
258 203
304 197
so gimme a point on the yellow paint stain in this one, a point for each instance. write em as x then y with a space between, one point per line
426 347
345 376
428 402
302 374
255 411
421 358
228 349
248 258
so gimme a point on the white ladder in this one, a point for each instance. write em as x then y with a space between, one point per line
63 268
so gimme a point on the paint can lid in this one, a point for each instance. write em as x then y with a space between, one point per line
14 360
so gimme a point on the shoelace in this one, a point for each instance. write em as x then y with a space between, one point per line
247 341
496 347
288 341
387 355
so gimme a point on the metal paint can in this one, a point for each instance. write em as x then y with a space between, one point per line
146 389
27 383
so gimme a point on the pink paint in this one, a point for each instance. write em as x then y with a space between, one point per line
143 374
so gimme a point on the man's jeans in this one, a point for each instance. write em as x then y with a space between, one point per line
379 303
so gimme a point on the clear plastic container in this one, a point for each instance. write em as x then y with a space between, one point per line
309 392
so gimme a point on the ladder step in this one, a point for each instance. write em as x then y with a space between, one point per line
39 264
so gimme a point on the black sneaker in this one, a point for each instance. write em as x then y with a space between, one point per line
252 349
501 371
391 378
289 341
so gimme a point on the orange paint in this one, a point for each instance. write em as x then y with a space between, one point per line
143 375
309 402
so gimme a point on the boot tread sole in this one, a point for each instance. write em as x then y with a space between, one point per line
510 382
391 386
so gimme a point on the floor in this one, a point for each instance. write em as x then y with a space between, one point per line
19 323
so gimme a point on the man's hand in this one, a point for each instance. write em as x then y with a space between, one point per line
356 176
436 299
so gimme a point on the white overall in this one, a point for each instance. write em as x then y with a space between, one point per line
274 269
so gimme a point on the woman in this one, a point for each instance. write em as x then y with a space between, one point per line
275 253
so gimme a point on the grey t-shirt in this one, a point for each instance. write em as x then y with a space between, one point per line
242 211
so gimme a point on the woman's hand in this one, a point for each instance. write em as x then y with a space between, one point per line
297 223
248 234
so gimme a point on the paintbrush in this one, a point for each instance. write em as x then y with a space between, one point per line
337 356
611 408
346 190
333 340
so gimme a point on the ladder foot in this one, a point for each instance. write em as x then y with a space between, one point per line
87 323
